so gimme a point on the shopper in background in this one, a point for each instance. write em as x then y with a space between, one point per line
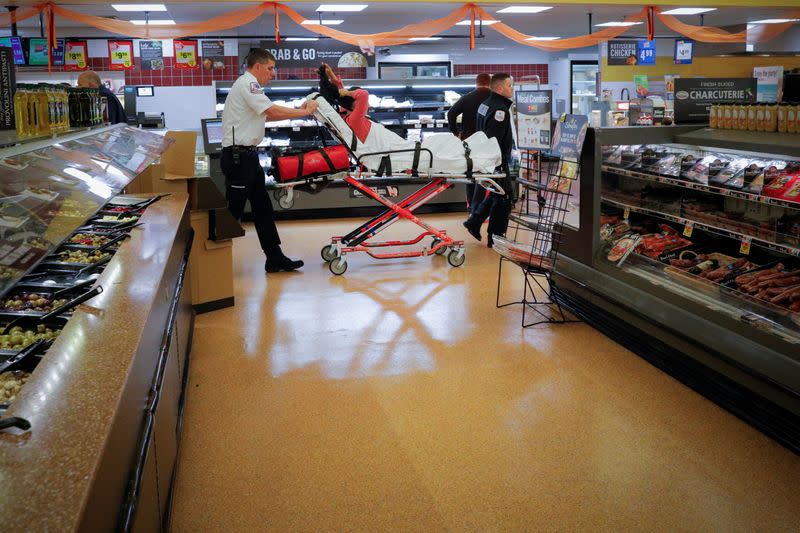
494 119
467 108
116 113
246 109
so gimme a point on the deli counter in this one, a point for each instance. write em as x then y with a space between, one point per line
687 252
96 331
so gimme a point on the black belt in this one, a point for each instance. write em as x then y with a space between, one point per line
240 148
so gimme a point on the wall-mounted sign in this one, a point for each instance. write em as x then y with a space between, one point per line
292 54
151 55
623 52
694 96
683 52
7 85
213 54
769 83
75 55
120 54
646 52
37 52
185 54
15 43
534 109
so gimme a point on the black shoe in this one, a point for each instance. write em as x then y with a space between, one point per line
282 263
472 229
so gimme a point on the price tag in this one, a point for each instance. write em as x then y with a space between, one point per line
688 229
744 248
418 125
296 128
626 213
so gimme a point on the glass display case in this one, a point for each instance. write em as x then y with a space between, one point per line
692 242
49 188
583 86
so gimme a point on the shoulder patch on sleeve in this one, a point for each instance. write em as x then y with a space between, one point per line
255 88
483 109
499 115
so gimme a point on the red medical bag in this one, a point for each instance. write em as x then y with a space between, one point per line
289 165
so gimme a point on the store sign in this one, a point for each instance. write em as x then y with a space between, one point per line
534 109
120 55
569 135
694 96
7 85
646 52
213 54
151 55
623 52
683 52
292 54
75 55
185 54
769 82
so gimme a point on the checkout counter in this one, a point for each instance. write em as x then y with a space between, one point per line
135 117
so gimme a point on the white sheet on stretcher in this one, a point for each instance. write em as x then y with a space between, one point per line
447 150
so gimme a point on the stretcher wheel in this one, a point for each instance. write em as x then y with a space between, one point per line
285 201
276 194
441 250
338 266
329 253
456 258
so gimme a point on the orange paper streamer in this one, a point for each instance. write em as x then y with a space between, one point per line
277 27
472 29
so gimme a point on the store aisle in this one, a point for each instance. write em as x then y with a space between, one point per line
397 398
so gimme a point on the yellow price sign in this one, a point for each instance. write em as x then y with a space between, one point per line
744 248
627 213
688 229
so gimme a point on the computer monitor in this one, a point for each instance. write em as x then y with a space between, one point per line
212 135
145 90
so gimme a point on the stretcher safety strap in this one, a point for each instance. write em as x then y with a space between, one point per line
385 167
415 164
467 151
327 159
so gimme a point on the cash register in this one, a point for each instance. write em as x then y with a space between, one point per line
139 118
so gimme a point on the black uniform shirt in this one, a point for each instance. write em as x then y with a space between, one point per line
467 107
494 119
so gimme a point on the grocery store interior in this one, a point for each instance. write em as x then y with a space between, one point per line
619 350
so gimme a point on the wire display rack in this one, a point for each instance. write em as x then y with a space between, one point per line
534 235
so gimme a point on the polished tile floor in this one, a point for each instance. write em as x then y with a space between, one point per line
397 398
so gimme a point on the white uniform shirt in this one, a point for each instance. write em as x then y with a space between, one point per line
244 110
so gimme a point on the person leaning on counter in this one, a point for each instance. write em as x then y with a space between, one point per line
116 113
246 109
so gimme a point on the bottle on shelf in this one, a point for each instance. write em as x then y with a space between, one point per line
760 109
85 108
21 111
791 117
712 116
771 117
42 111
742 120
751 117
782 112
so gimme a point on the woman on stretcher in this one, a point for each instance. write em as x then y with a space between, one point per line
451 155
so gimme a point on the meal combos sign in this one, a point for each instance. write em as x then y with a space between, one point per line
302 54
534 110
76 55
694 96
185 54
120 54
631 52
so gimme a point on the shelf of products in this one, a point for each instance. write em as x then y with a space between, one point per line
694 240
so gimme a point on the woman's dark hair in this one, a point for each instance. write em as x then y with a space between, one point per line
330 91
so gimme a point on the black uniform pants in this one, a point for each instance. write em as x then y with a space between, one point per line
245 181
495 207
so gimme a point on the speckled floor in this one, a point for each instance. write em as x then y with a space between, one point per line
397 398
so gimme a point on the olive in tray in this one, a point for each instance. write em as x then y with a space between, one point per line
89 239
11 382
31 302
19 338
85 257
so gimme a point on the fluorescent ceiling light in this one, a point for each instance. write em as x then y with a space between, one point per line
774 21
425 39
343 8
542 38
154 22
619 24
301 39
477 22
139 7
328 22
524 9
688 10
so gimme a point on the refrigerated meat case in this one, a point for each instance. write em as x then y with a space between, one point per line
90 439
410 108
715 332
